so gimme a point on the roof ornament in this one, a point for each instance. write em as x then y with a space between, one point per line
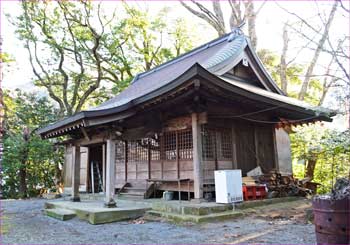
236 31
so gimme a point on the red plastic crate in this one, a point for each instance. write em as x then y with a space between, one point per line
254 192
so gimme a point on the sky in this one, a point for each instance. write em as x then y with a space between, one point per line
270 21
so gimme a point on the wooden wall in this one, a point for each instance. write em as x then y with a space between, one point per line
251 145
283 151
68 165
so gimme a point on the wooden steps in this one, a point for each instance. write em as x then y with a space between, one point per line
134 190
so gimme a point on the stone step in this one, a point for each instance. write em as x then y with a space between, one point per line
195 218
190 209
60 213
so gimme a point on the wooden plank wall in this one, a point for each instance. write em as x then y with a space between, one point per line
68 165
246 159
265 147
84 153
120 163
255 146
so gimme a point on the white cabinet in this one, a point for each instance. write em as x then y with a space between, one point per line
228 186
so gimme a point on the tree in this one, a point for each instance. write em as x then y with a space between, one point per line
321 154
240 11
78 52
29 163
317 37
320 45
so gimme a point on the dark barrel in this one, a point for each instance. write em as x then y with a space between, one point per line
332 219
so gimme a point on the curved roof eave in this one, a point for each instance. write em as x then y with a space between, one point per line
85 115
193 71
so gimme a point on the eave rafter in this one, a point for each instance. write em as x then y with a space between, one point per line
63 130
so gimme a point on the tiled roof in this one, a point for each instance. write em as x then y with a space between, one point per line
216 57
209 56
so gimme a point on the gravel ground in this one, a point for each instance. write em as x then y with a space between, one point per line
277 224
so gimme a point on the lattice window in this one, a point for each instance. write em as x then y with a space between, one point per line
137 150
155 149
225 149
169 145
185 144
119 150
208 143
217 143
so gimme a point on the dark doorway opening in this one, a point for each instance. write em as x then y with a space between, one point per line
96 168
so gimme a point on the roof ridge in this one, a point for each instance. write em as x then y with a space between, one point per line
182 56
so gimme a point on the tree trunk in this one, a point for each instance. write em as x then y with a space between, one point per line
218 13
310 168
317 53
283 63
251 17
23 168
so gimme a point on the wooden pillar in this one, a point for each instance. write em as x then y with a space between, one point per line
234 148
197 157
149 159
275 150
177 155
126 160
110 174
104 166
75 173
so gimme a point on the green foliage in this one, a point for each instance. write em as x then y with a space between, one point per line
6 58
331 149
40 159
294 73
80 52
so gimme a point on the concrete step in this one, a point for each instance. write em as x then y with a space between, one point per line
195 218
190 209
60 213
264 202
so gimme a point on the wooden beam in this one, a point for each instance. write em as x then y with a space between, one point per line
197 157
85 133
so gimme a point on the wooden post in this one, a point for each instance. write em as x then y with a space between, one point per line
104 166
234 148
275 150
126 160
149 159
162 155
110 174
256 146
75 173
197 157
177 155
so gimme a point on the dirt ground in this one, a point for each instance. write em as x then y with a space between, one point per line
24 222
